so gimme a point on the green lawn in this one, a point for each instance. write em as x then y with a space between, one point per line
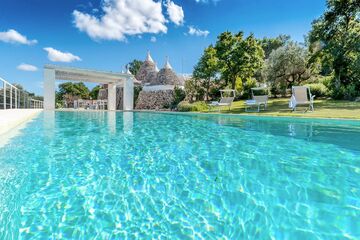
323 109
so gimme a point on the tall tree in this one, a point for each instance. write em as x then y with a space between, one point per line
207 68
134 66
238 56
95 92
336 34
75 89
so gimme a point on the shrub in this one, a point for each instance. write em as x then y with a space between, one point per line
185 106
59 105
348 92
318 89
179 95
274 90
193 89
326 80
279 88
214 91
351 92
250 83
239 85
339 90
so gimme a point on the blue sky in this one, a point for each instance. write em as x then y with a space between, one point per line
107 34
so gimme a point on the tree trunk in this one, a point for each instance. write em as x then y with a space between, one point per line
207 84
338 79
233 82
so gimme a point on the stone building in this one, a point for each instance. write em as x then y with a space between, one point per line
148 71
158 86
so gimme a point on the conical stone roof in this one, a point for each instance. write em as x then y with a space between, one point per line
166 76
147 71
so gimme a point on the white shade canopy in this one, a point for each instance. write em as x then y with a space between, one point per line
86 75
113 80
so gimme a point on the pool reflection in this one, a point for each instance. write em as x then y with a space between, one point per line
345 134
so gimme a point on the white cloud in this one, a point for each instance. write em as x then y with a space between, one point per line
12 36
175 12
153 39
197 32
122 18
58 56
27 67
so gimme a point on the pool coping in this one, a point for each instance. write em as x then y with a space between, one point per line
12 118
214 114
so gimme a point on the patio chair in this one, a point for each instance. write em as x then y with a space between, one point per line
101 104
257 100
301 95
225 100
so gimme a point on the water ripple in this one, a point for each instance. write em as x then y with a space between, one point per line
97 175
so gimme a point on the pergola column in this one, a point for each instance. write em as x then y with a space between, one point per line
128 94
49 89
111 96
111 120
128 122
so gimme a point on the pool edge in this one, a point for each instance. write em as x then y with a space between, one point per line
12 119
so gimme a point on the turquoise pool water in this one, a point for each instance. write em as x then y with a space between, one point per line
97 175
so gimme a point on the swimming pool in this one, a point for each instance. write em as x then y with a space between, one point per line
107 175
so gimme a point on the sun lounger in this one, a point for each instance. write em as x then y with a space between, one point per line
301 95
257 101
224 101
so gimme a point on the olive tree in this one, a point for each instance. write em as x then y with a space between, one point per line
286 66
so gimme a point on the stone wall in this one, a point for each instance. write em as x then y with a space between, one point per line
155 100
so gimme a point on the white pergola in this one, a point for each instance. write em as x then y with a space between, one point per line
125 80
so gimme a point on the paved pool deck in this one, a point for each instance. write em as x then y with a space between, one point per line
11 118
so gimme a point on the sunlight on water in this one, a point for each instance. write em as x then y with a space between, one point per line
148 175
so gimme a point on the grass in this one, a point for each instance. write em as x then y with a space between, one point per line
279 107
